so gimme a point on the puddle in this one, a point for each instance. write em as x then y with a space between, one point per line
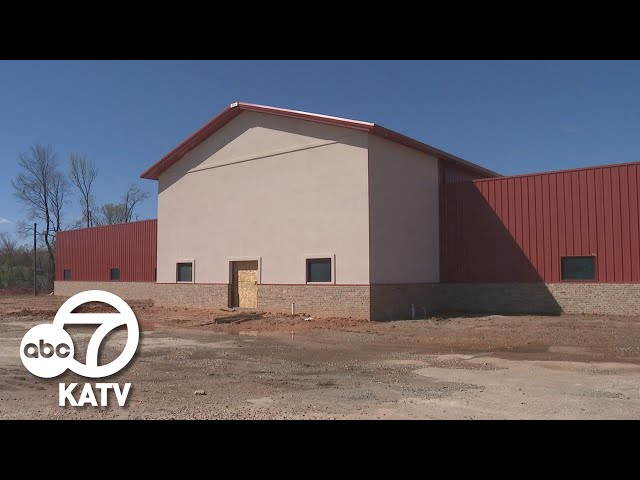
570 350
171 342
249 333
545 352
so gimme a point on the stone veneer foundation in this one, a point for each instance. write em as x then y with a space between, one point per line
394 301
389 302
319 300
187 294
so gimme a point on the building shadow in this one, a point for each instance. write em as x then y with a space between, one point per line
483 268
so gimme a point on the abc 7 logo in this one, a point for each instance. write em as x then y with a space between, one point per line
47 350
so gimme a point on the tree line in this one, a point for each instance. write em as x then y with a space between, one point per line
45 189
16 264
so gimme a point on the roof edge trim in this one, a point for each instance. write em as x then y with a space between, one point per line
234 109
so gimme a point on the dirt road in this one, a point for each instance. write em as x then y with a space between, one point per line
274 367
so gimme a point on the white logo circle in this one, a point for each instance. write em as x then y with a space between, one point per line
47 350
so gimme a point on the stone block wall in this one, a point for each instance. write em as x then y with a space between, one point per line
597 298
501 298
392 302
187 294
318 300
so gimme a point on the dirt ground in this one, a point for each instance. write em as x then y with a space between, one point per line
261 366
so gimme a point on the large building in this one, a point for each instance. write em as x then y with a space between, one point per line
264 207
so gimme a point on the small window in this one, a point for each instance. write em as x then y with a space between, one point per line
318 270
115 274
578 268
67 274
184 272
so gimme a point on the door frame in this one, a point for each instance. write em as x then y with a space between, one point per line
230 274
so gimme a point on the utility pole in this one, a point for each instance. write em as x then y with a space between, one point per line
35 288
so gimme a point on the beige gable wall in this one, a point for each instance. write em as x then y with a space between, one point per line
403 217
269 187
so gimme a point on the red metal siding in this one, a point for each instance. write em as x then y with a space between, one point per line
452 173
516 229
91 253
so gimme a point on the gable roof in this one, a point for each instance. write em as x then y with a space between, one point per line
233 110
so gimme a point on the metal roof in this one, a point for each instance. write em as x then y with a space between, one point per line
233 110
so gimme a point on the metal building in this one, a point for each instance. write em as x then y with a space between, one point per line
573 225
123 253
267 208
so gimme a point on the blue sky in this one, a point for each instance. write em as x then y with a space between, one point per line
510 116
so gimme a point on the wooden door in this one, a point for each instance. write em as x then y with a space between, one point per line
245 284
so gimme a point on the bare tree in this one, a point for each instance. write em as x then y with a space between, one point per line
8 247
83 173
59 189
112 213
131 198
123 212
42 188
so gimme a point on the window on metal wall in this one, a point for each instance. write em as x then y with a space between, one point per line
578 268
67 274
184 272
115 274
318 270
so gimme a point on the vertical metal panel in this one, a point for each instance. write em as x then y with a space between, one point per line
517 212
608 226
546 233
454 175
575 205
634 222
91 253
568 218
584 212
617 220
562 217
533 242
624 221
601 263
526 234
553 230
516 229
591 210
